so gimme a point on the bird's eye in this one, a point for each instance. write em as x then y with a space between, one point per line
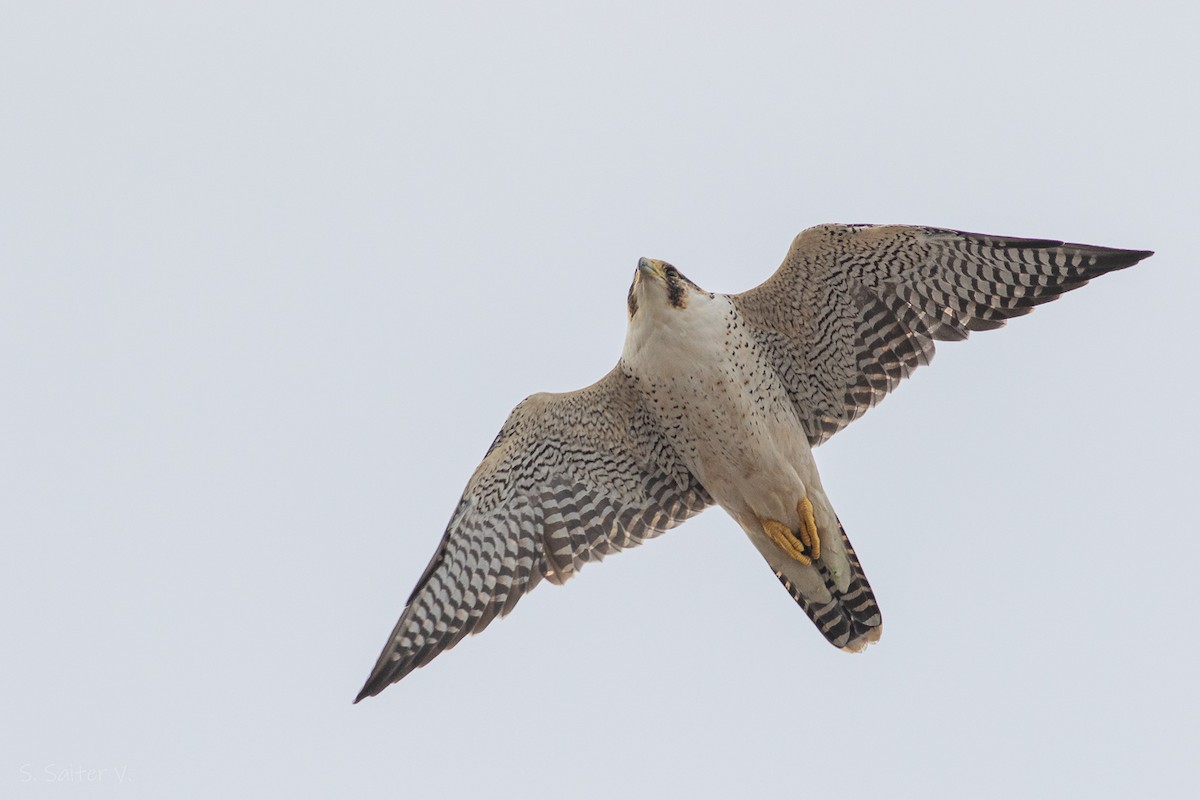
672 272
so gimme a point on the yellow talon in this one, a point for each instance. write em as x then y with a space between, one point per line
808 529
807 546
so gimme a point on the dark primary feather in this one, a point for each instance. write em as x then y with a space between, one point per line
569 479
854 309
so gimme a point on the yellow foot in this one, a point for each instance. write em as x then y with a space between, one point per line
803 548
808 528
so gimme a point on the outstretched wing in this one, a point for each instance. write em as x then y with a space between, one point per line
854 309
570 478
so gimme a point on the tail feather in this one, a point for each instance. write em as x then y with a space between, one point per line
849 618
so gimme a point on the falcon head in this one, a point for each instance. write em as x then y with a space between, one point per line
657 283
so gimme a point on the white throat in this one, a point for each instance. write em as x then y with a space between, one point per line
660 331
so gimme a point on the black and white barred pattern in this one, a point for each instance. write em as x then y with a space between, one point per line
570 479
854 309
573 477
850 619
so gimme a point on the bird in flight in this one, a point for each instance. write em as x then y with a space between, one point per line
719 399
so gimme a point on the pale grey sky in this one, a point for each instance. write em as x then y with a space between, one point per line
272 276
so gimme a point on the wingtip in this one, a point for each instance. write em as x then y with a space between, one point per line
1133 256
372 687
1115 259
384 675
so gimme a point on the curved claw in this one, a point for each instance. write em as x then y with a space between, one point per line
805 547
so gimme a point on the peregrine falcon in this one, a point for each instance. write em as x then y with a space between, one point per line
719 399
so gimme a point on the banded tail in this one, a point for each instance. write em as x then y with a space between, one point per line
848 617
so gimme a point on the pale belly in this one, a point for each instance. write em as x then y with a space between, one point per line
730 420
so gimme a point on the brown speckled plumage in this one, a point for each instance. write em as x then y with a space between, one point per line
570 479
854 309
719 399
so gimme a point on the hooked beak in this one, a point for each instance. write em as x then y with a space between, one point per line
651 268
